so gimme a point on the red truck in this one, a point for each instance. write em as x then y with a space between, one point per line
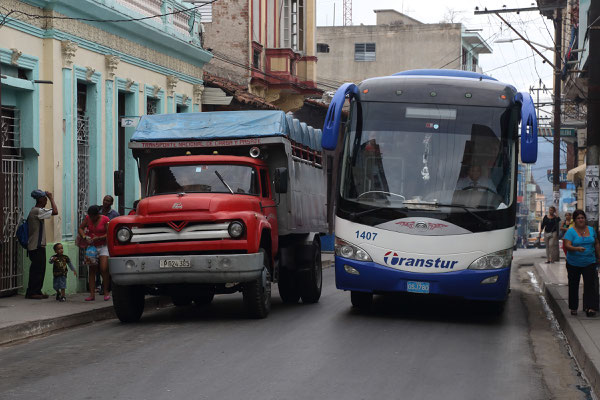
231 201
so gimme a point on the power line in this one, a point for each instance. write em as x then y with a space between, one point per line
38 16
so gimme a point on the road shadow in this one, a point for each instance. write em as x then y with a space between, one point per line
408 306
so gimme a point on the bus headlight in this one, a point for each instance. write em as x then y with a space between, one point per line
124 235
499 259
347 250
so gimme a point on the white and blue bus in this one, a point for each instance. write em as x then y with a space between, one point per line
426 193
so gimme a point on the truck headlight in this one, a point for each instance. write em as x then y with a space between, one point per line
124 235
347 250
235 229
499 259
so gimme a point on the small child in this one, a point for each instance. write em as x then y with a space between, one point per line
60 262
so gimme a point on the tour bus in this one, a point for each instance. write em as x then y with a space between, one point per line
425 199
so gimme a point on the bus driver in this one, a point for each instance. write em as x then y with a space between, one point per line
474 180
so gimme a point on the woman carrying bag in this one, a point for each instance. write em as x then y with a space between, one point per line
583 253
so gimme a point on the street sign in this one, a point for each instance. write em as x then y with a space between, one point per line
563 175
548 131
129 122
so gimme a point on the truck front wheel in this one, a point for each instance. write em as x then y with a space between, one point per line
128 302
311 280
257 293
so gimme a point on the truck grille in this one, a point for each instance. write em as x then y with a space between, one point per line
168 232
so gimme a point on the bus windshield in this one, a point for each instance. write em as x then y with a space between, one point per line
427 156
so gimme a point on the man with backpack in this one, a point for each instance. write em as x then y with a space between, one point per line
36 243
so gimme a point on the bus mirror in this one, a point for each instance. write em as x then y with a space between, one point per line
333 118
281 180
529 128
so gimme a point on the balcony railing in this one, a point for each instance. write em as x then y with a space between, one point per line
184 25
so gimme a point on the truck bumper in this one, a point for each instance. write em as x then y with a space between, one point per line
468 284
202 269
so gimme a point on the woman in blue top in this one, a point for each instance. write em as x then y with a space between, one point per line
583 253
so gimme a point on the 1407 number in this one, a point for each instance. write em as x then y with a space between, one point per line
366 235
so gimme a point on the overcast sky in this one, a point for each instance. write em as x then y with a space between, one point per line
513 62
522 74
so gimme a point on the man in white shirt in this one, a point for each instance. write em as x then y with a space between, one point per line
475 181
36 247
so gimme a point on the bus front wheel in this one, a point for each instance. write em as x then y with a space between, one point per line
361 300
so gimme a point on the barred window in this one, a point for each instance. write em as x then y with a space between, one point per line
364 51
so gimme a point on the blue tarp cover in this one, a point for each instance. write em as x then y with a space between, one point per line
224 125
210 126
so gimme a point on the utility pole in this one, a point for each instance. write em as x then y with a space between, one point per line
593 117
556 66
557 107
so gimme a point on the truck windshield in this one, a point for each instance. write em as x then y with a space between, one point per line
419 156
202 179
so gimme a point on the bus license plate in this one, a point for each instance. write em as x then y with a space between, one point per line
175 263
417 287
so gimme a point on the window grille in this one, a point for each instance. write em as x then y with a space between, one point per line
364 52
11 273
151 106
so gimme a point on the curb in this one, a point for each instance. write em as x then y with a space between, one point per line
577 337
27 330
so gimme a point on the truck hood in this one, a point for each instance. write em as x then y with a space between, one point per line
195 202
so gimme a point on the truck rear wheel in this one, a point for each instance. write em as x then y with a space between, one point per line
288 286
311 280
128 302
257 293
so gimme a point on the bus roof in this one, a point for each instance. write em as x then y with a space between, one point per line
445 72
437 89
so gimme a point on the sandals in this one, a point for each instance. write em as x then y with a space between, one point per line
107 297
90 298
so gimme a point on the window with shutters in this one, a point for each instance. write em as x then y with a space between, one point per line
293 23
364 51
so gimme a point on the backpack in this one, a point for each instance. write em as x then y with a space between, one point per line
23 233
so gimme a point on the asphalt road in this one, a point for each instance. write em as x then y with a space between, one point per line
406 348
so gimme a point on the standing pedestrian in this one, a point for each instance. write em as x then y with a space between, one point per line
60 262
564 227
583 253
107 210
36 246
550 227
96 225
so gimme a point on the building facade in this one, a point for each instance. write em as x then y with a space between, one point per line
396 43
71 70
266 45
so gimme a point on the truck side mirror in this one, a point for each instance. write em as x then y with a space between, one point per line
119 183
281 180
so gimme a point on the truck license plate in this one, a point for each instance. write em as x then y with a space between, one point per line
417 287
175 263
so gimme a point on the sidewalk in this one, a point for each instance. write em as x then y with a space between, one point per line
583 333
22 318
